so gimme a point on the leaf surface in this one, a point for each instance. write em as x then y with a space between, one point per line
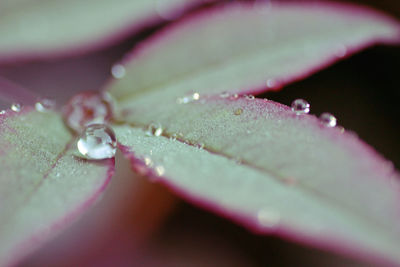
47 28
275 172
262 165
241 48
43 187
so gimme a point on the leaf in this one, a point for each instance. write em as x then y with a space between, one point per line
275 172
241 48
43 187
262 166
48 28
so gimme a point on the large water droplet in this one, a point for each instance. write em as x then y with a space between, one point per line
15 107
328 119
86 108
97 141
44 105
300 106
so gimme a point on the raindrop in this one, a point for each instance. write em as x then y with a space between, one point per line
328 119
300 106
97 142
44 105
118 71
238 111
154 129
16 107
87 108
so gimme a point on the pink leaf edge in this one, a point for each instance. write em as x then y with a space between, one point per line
37 239
251 223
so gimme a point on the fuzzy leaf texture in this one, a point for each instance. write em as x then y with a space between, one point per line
261 165
34 29
43 187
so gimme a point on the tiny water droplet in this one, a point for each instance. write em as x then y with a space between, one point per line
328 119
238 111
300 106
250 97
44 105
234 96
2 112
188 99
118 71
148 161
196 96
154 129
87 108
159 170
224 94
16 107
268 218
97 141
271 83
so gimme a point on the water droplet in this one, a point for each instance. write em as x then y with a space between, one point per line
16 107
300 106
238 111
234 96
97 141
159 170
268 218
2 112
118 71
154 129
327 119
148 161
188 99
196 96
44 105
224 94
86 108
271 83
250 97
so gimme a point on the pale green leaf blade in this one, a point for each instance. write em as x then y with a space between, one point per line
32 29
242 48
274 172
43 187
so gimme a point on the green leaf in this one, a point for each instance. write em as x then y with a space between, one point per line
43 187
275 172
49 28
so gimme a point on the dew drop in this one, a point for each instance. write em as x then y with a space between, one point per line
87 108
300 106
118 71
16 107
2 112
159 170
268 218
235 96
154 129
238 111
196 96
97 142
44 105
328 119
250 97
148 161
188 99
